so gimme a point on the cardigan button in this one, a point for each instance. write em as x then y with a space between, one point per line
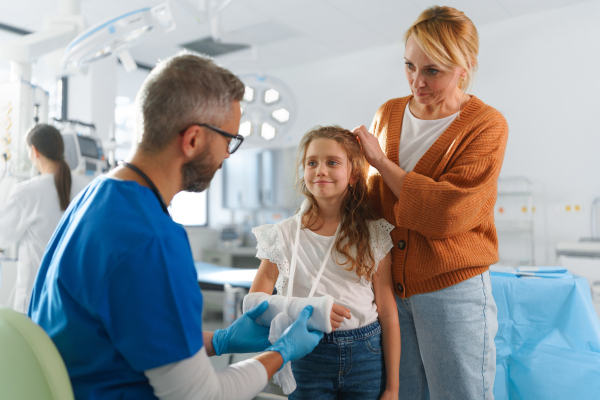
402 245
400 287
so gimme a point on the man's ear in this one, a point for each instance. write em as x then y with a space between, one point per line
193 141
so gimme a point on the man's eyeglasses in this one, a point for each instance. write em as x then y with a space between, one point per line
234 144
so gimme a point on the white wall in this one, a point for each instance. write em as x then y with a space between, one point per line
536 73
539 70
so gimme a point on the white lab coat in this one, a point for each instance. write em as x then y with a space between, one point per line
29 218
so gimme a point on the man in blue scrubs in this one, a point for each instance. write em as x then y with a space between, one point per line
117 290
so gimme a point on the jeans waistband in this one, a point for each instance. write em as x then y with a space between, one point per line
352 334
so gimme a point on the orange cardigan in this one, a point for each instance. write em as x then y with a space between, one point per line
444 218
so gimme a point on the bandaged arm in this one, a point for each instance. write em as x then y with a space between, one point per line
320 319
195 378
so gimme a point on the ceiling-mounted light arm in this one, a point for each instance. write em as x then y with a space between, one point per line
116 35
69 7
127 60
206 10
224 5
215 28
214 11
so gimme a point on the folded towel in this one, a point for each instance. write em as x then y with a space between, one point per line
543 272
532 272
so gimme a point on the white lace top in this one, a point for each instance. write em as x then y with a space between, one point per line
275 243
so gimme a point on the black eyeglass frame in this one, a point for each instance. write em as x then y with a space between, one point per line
238 137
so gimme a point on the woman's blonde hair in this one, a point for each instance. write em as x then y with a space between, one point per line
449 38
354 238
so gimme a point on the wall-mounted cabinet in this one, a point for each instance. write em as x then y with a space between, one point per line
514 217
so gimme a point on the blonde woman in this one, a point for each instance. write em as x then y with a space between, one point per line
436 156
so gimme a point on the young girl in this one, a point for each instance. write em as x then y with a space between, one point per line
353 361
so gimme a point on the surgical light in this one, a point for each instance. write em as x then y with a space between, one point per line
281 115
117 35
246 128
269 108
271 96
249 94
267 131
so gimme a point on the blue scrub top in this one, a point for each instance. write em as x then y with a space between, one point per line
117 291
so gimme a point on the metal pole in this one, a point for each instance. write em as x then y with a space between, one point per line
594 217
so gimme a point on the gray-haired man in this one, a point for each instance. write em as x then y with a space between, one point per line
117 289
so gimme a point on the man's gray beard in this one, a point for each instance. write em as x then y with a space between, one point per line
198 173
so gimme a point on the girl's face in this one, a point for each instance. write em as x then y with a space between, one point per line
429 83
327 170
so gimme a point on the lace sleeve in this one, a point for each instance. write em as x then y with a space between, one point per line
381 240
270 242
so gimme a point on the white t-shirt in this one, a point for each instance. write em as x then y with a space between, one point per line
29 217
275 243
417 137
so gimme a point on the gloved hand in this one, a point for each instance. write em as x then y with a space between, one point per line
297 341
244 335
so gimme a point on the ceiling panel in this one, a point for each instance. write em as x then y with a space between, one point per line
479 11
302 30
253 61
260 34
27 14
275 8
521 7
299 49
325 23
388 18
239 16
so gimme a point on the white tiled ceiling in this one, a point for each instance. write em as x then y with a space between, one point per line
479 11
285 32
516 7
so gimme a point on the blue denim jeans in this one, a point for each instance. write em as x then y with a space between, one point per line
344 365
447 337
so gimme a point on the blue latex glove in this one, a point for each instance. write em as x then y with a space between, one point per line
245 335
297 341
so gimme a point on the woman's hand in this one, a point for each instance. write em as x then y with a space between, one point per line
370 146
338 313
393 176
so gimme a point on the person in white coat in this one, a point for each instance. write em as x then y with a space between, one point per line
34 208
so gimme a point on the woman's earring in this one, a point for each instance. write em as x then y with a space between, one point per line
351 185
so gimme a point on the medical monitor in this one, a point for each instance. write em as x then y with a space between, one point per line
84 154
88 147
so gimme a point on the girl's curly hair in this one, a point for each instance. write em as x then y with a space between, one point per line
354 239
